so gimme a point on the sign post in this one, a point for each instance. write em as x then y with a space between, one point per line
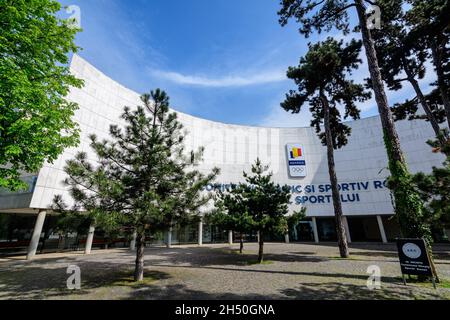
415 259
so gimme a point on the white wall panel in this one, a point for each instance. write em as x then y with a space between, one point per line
233 148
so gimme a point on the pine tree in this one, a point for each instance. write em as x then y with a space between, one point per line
430 26
325 15
293 220
266 202
143 178
435 191
405 55
232 214
322 83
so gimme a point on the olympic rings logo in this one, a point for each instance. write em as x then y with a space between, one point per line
298 169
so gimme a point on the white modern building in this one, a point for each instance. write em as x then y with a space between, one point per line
295 156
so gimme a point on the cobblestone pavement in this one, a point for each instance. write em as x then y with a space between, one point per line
290 271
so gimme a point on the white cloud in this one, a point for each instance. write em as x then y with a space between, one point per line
278 117
227 81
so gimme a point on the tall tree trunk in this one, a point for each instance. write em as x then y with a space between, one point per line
433 121
139 265
241 243
437 61
61 242
387 120
340 230
407 202
261 247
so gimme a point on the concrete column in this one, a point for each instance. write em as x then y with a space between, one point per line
381 227
169 238
295 233
230 237
316 233
286 238
347 229
89 240
133 241
34 242
200 233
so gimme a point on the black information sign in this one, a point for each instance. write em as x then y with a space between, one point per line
414 258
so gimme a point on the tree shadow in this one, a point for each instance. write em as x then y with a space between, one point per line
440 248
385 254
376 246
46 277
339 291
305 253
444 255
309 291
294 257
393 280
394 254
181 292
205 256
40 282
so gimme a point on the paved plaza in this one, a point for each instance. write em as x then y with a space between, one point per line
290 271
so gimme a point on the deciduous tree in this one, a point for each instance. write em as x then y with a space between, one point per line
35 118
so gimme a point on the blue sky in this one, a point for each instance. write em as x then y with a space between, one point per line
222 60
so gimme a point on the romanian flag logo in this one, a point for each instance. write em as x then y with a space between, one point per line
296 153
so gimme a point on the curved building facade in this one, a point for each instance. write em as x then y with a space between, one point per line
295 155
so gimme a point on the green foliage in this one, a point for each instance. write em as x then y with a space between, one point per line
316 15
68 222
404 59
410 107
322 82
144 178
265 201
392 43
231 211
434 189
408 205
405 43
428 21
326 15
294 219
35 117
142 172
258 204
290 222
112 224
323 71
